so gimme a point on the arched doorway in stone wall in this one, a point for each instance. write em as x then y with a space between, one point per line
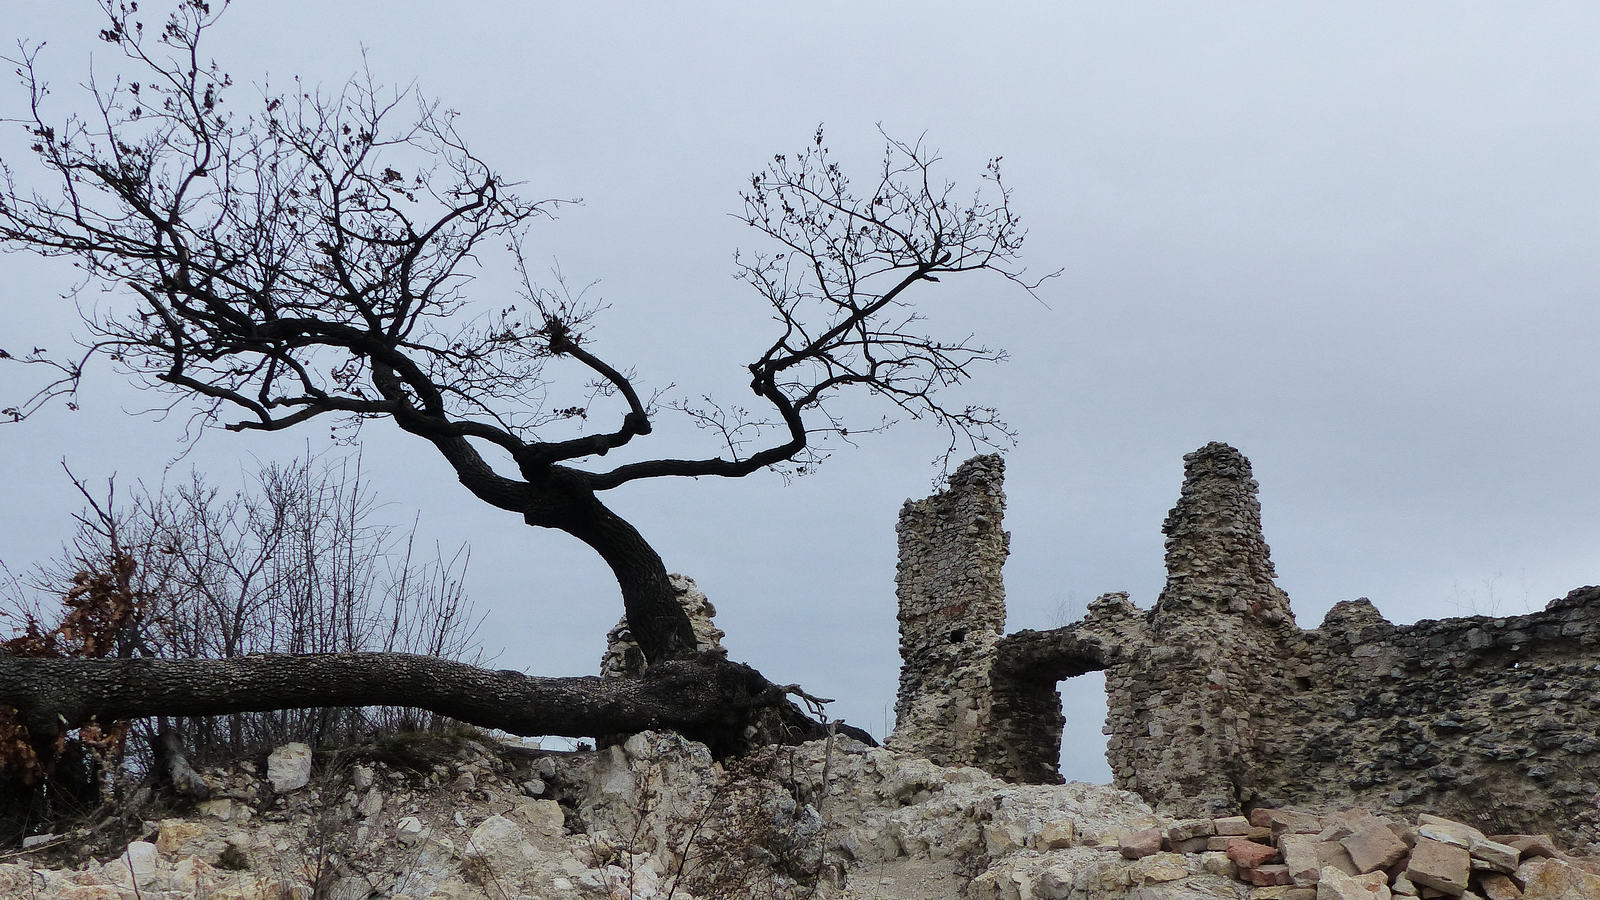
1027 712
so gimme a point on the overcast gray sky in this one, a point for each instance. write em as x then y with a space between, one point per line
1355 240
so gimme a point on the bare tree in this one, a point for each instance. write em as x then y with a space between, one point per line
295 562
310 257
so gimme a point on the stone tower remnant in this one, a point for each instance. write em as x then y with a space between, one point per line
1219 702
1210 646
952 612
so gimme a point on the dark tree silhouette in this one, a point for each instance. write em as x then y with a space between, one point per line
309 257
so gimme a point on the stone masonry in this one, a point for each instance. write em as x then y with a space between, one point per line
952 613
622 655
1207 658
1494 720
1220 703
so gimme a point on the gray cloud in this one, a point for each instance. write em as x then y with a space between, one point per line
1355 240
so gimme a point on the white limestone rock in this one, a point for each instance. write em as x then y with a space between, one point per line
139 865
289 767
1336 885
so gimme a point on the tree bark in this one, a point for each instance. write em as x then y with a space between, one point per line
173 765
706 698
564 500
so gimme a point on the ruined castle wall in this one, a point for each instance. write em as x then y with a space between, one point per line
1027 719
952 612
1188 703
1218 701
1492 720
1230 704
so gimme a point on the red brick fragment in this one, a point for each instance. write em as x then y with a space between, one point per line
1249 854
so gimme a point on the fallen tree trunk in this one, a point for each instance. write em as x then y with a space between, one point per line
705 697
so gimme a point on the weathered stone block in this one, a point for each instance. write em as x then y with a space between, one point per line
90 892
1556 879
1282 821
1161 867
1336 885
177 837
1446 831
1215 863
1346 823
1332 853
1495 856
1529 844
1288 822
1441 866
1300 855
137 865
410 830
1190 828
1057 835
226 809
1499 887
1374 847
194 877
1261 817
1283 892
1231 825
1142 843
1269 874
289 767
1527 871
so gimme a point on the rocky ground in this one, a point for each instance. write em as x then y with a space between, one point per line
657 819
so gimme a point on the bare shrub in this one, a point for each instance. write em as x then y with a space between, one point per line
744 830
296 563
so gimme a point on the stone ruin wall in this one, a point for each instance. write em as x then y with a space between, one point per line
1192 686
952 613
1494 720
1219 702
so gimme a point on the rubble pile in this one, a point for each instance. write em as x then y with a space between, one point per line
656 818
1355 854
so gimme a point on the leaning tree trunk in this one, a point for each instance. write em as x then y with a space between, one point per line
658 622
